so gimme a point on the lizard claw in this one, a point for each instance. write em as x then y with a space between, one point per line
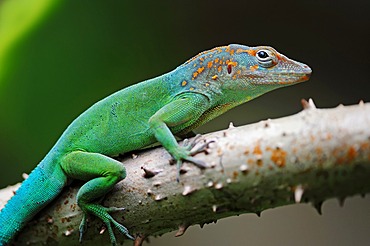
189 145
115 209
104 214
82 227
191 151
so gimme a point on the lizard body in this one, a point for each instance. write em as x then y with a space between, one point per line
152 111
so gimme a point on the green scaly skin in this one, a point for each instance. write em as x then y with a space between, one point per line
175 103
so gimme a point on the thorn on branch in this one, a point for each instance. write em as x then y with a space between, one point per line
102 230
182 229
341 201
139 240
231 125
298 192
188 190
149 173
244 168
308 105
318 207
68 232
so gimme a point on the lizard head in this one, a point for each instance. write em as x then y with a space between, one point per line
245 72
263 65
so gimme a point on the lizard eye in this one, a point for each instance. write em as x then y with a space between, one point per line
262 54
264 58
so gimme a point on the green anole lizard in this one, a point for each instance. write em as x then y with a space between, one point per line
155 110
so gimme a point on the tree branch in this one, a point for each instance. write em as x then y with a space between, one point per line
308 157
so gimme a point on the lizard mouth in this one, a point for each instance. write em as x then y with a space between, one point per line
301 73
283 76
281 79
296 79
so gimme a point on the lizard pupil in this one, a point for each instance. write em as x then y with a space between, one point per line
262 54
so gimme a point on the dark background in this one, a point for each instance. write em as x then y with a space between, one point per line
85 50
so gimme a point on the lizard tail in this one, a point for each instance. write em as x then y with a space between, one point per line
42 185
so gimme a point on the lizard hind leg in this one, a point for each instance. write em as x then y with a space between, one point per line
101 174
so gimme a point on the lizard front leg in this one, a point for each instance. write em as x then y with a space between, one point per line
178 115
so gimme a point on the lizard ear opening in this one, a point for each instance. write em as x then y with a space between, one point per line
229 68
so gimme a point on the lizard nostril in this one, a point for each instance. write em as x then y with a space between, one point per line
308 70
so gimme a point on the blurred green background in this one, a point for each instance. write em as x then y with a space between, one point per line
59 57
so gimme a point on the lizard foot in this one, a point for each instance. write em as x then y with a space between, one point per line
104 214
189 145
189 152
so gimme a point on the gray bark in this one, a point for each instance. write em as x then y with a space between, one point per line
308 157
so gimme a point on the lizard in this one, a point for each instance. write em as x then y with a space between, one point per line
155 110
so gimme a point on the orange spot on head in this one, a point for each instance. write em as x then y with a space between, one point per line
191 88
231 63
250 52
216 60
232 52
200 69
219 69
206 84
184 83
281 57
196 73
214 77
217 49
253 68
209 64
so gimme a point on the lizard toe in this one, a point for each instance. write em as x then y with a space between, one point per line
103 213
